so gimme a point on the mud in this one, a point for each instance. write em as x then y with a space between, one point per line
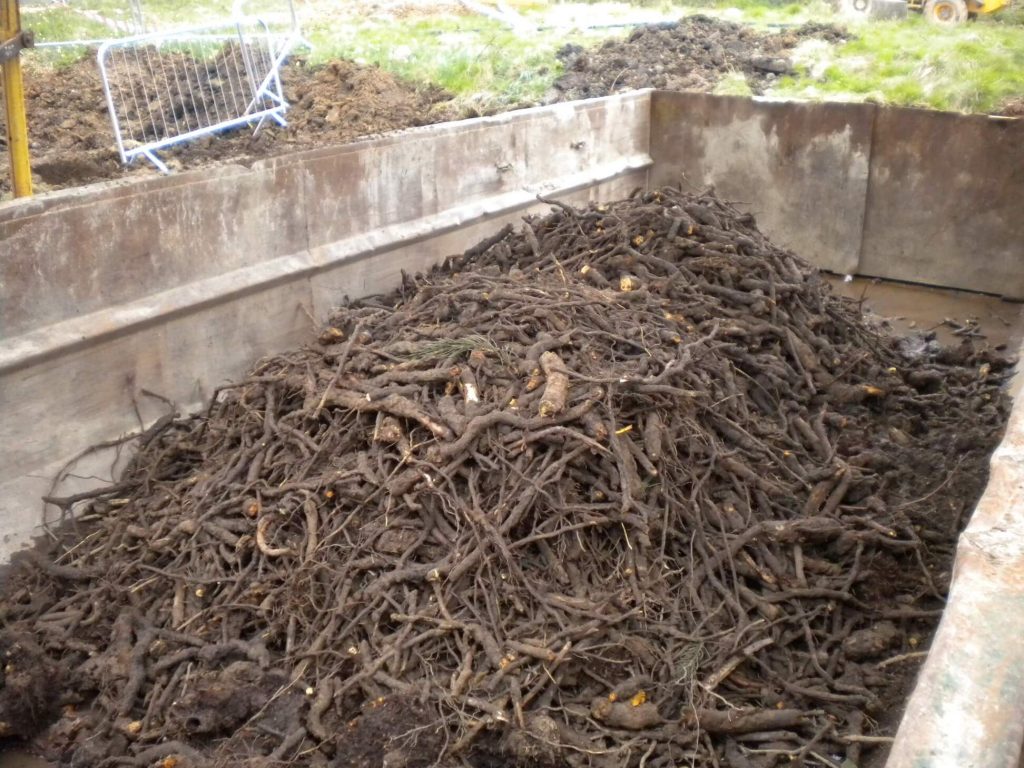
950 315
693 54
1012 107
72 142
18 758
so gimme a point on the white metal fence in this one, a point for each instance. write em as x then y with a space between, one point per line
167 88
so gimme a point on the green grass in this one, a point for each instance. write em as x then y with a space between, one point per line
971 68
481 62
734 84
58 24
761 12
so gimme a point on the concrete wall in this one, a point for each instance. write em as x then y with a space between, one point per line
946 201
174 285
906 194
802 169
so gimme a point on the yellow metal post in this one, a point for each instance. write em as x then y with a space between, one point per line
14 102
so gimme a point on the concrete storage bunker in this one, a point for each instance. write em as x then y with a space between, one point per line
175 285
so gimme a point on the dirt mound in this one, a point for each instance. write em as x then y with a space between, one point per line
1012 108
627 486
689 55
343 100
72 140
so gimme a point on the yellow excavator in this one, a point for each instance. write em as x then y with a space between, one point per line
946 12
955 11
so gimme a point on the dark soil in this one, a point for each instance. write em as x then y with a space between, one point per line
29 686
1012 108
72 142
689 55
626 486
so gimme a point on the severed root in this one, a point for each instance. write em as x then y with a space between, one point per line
654 436
322 702
636 714
169 750
261 539
749 720
396 405
557 389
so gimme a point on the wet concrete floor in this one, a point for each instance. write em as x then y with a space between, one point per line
922 308
909 307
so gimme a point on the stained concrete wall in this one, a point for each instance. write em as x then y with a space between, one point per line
175 285
904 194
802 169
946 201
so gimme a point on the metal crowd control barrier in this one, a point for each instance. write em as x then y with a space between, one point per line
168 88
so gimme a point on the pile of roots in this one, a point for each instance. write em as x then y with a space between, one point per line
626 486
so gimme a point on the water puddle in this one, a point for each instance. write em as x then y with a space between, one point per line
942 310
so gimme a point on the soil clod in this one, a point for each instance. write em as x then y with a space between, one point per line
30 687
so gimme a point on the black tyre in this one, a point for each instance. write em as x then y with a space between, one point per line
946 12
855 8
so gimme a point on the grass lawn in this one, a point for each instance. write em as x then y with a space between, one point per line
488 65
971 68
479 60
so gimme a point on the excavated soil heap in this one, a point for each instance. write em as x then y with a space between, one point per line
689 55
626 487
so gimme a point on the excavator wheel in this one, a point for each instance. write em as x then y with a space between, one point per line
947 12
855 9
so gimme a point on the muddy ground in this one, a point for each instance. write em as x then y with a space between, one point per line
690 55
72 141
